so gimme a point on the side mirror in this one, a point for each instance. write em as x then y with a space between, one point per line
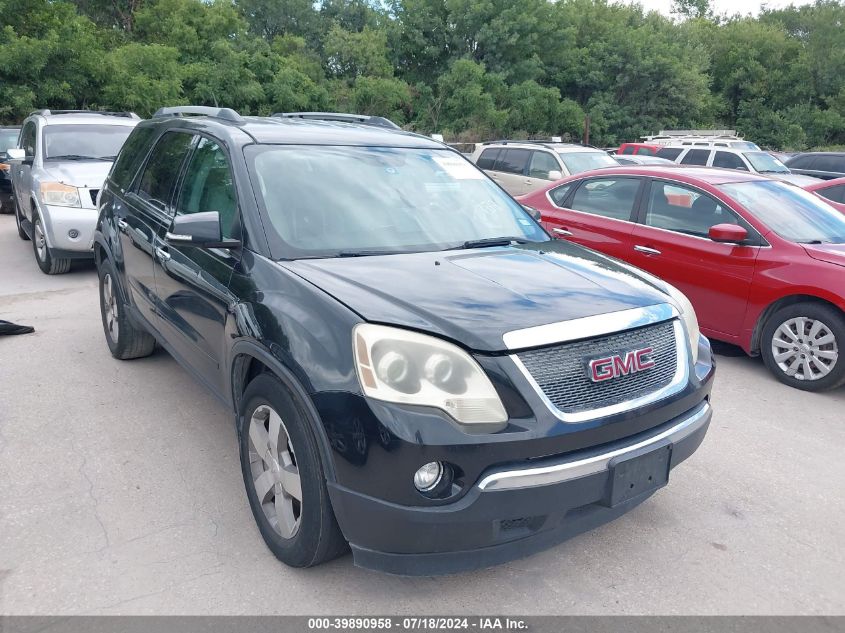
201 230
555 175
534 213
727 233
15 153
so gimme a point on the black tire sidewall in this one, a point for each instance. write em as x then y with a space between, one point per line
303 548
832 318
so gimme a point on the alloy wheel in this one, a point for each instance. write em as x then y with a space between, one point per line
805 348
40 241
110 308
275 474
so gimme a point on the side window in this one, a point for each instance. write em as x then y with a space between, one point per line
162 169
541 164
627 150
488 158
608 197
685 210
558 194
208 186
696 157
670 153
28 139
830 162
728 161
513 161
802 162
835 193
130 157
645 150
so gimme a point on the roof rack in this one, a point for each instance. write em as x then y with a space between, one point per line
548 144
225 114
46 112
363 119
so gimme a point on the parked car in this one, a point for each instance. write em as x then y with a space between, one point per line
413 365
523 166
642 159
833 192
8 140
63 158
727 158
761 260
825 165
638 149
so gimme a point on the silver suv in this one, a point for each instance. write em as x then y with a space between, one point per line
521 167
61 162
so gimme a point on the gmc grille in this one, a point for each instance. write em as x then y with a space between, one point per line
561 371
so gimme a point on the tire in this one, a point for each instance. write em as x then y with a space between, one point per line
300 532
21 233
803 346
125 341
48 264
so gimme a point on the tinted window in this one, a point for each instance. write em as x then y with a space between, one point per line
28 139
628 149
558 194
541 164
383 199
696 157
156 186
645 150
669 153
130 157
84 141
208 186
835 193
728 161
830 163
607 197
801 162
682 209
513 161
488 158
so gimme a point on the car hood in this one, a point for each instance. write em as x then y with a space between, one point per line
830 253
475 296
87 174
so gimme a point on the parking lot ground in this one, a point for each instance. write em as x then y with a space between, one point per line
121 493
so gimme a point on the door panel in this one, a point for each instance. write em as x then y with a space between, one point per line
672 244
23 181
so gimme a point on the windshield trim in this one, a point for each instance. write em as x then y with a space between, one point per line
82 127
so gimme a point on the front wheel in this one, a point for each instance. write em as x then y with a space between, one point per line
284 477
47 262
801 346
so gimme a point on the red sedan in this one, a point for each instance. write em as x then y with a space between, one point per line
833 192
761 260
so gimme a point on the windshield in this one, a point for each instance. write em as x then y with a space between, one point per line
81 142
576 162
791 212
8 139
744 145
346 201
766 163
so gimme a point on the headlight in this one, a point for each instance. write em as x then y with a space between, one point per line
58 194
688 315
401 366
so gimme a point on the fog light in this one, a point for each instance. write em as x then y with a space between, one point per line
428 476
73 234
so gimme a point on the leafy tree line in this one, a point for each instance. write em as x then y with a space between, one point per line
468 69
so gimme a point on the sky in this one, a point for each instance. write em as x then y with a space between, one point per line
723 6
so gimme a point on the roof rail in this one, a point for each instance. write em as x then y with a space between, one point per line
225 114
363 119
543 143
46 112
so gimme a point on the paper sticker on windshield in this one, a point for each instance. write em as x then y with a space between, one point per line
458 168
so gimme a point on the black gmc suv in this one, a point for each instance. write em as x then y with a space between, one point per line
416 368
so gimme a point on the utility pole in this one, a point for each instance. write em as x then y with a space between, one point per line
586 129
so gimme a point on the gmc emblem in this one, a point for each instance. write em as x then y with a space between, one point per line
609 367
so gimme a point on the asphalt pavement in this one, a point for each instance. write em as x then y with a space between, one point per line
121 493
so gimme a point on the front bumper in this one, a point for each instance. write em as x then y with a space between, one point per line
510 512
60 221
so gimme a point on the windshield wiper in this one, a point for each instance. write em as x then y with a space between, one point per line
72 157
366 253
492 241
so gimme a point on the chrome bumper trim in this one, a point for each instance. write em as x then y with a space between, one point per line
568 470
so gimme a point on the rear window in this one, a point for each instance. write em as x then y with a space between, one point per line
696 157
607 197
669 153
488 158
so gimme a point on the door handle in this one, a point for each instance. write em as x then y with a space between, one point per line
563 232
122 224
163 255
647 250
